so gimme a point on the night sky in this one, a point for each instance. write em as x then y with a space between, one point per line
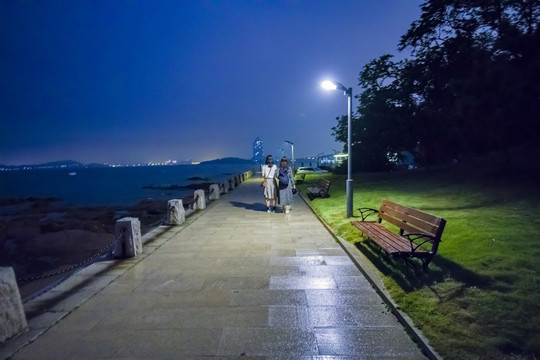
143 81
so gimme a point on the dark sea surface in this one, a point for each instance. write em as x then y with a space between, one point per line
112 186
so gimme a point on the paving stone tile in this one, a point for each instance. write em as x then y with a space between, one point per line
352 282
180 283
342 297
378 343
347 316
259 297
303 282
270 342
297 261
194 299
236 283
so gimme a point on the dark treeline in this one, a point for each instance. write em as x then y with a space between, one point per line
471 86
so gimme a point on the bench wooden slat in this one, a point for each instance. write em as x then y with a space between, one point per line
391 242
407 223
414 213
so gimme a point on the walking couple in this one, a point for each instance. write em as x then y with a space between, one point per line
281 193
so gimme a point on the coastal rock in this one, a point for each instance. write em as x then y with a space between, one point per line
198 178
195 186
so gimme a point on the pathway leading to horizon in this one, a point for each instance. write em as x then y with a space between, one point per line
236 282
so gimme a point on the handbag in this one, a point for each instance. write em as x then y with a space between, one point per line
263 184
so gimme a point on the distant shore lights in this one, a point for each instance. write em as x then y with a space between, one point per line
334 85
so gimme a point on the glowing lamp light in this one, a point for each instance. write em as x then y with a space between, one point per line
329 85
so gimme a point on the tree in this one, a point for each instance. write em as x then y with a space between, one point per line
471 86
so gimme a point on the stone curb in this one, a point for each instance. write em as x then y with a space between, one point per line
374 277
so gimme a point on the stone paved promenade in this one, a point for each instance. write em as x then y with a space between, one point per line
235 283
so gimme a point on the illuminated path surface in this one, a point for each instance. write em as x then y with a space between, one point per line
236 282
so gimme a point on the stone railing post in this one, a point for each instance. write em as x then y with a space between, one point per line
128 238
243 176
214 192
225 186
231 184
176 215
12 318
200 200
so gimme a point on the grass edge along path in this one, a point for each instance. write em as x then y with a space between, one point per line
481 296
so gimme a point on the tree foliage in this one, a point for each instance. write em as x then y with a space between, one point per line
472 85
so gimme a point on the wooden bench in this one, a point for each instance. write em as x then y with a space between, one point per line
321 190
299 178
419 232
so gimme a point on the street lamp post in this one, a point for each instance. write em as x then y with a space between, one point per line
334 85
292 151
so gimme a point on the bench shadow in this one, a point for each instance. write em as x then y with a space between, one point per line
410 276
253 207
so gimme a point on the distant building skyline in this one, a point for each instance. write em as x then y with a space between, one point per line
258 151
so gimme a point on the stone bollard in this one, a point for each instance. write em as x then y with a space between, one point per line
12 318
214 192
128 238
225 186
200 200
236 180
231 184
176 215
243 177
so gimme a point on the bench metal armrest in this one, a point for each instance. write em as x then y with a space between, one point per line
413 237
366 212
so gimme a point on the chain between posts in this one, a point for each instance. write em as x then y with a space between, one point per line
153 225
68 269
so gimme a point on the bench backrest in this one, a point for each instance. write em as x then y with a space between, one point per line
411 220
324 185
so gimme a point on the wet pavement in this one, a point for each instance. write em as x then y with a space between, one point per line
236 282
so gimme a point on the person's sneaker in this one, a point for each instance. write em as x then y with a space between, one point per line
287 211
268 210
274 209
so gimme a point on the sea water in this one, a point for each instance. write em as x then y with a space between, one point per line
112 186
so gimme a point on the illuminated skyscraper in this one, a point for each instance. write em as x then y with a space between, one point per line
258 157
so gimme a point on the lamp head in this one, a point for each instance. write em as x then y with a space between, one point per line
329 85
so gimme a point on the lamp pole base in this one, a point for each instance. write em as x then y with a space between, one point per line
349 198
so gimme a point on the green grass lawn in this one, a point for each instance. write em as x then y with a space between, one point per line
480 298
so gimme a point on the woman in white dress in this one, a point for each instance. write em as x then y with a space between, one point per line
269 172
